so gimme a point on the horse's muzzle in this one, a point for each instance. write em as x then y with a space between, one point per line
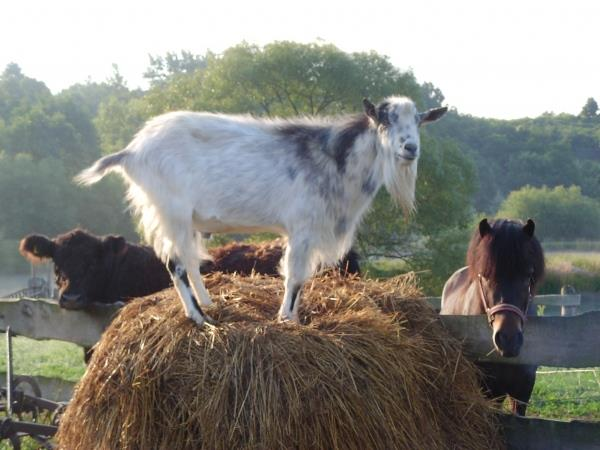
508 345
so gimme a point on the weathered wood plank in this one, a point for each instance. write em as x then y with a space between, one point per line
570 300
549 341
558 300
44 319
522 433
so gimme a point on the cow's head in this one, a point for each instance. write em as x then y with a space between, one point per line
83 264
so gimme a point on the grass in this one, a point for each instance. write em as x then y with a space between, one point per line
578 246
576 268
562 394
52 359
578 261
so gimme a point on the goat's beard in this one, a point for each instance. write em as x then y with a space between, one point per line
400 181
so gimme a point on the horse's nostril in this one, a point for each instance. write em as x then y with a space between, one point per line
519 339
500 339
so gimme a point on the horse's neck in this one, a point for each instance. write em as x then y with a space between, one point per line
473 302
462 297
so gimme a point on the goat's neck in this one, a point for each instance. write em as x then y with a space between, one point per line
364 176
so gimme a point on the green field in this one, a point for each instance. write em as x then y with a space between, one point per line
52 359
563 393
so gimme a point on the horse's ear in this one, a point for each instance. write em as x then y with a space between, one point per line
529 228
484 227
370 109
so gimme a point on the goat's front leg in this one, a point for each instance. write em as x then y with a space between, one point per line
297 268
182 286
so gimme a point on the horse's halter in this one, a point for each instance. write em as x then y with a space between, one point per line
491 311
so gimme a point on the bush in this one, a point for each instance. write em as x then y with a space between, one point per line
561 213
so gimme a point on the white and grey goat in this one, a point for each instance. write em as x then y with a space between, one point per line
308 179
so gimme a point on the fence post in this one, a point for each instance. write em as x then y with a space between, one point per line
567 311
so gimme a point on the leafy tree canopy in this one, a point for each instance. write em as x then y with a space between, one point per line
561 213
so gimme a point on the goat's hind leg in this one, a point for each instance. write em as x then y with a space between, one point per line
181 283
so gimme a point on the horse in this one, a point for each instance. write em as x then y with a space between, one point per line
505 263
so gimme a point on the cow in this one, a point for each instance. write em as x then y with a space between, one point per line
91 269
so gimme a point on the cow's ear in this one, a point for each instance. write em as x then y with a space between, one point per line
37 248
115 244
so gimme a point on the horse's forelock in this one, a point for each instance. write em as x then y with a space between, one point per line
505 253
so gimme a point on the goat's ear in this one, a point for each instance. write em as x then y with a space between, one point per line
431 115
370 110
36 248
114 244
484 227
529 228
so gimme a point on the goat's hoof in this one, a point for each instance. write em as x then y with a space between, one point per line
288 319
206 301
202 320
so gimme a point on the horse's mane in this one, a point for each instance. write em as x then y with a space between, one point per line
505 253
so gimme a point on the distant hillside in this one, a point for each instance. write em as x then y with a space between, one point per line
548 150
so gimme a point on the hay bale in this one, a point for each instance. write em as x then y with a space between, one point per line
370 368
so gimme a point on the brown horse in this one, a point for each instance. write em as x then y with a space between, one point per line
505 262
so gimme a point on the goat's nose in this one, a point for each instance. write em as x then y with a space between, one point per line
410 148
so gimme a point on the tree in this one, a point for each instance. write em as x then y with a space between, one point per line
561 213
283 79
288 78
165 68
117 121
19 93
35 196
432 96
590 109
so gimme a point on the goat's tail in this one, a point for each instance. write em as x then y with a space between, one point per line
100 168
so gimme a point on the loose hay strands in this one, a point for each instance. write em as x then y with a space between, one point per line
370 368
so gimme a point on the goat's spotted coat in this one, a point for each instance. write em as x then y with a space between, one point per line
308 179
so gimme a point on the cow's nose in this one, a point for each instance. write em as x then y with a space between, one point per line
69 301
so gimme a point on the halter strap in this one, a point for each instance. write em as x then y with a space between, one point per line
502 307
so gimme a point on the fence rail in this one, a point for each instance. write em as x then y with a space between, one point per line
549 341
44 319
569 300
544 434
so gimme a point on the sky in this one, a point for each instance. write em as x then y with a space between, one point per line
506 60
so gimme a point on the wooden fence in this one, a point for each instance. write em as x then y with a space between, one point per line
568 303
567 341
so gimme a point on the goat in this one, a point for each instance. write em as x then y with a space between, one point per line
193 173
